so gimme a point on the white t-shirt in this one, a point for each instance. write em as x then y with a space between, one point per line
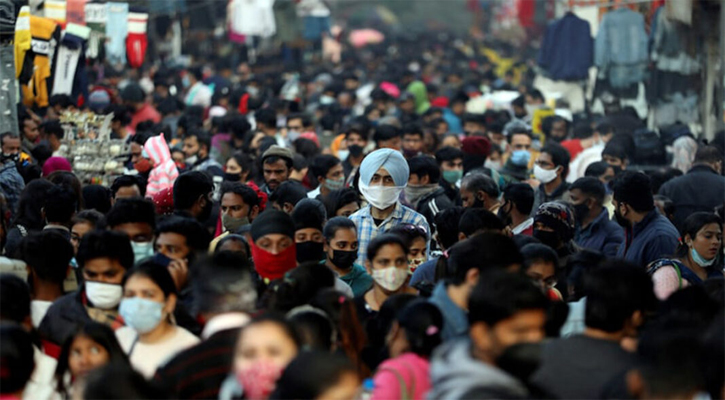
146 358
38 309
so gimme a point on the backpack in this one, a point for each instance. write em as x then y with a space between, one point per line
649 149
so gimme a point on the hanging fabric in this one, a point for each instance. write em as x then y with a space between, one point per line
69 54
137 41
116 32
45 38
96 17
8 101
568 49
620 48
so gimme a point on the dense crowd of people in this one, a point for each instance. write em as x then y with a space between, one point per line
360 231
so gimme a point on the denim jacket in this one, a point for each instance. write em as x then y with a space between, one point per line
620 49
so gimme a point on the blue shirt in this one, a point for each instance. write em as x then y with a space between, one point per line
367 230
425 272
648 240
602 235
455 320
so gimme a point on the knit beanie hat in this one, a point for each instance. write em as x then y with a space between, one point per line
557 216
272 221
309 213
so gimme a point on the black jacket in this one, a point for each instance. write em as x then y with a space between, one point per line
64 317
431 204
701 189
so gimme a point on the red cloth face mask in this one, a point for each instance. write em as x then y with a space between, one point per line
273 266
142 165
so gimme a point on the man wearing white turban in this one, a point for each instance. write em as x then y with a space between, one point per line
383 175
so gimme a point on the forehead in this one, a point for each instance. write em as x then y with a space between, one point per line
190 139
277 164
232 198
520 138
275 237
545 157
10 140
389 251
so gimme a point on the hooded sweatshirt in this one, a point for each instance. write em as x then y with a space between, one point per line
164 171
455 374
420 93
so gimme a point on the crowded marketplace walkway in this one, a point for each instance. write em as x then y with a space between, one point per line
308 199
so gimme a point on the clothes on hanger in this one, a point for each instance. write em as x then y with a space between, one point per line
568 49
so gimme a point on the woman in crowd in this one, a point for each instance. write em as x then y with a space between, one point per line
84 222
264 349
696 259
238 168
318 376
387 263
29 217
150 336
341 203
92 346
412 338
415 238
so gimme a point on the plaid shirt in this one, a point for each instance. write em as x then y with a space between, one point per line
367 230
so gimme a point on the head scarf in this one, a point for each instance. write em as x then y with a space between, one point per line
558 217
272 221
391 160
684 149
420 94
56 164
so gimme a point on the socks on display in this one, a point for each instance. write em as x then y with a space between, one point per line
137 40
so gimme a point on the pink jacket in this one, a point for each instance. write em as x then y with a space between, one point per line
410 369
164 171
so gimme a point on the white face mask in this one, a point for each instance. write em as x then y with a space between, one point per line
191 160
494 165
343 154
391 278
104 295
381 197
544 175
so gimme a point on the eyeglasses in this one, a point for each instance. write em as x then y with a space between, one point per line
410 228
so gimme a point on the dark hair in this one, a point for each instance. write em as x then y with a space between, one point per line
48 254
202 137
535 94
141 137
126 211
708 154
536 252
692 225
337 199
500 295
583 130
299 286
591 187
62 100
475 182
223 283
60 204
99 333
299 162
16 357
314 328
605 128
335 224
578 266
92 217
244 161
425 166
597 169
446 223
477 219
53 127
422 323
616 150
413 128
322 164
384 240
105 244
311 374
288 192
189 186
70 179
448 154
288 162
239 126
614 292
127 384
518 131
634 189
304 117
276 319
97 197
266 116
485 251
248 195
409 232
125 181
157 273
548 123
520 195
32 199
559 157
386 132
197 237
15 296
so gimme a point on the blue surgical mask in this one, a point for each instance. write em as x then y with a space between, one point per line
520 157
700 260
142 250
143 315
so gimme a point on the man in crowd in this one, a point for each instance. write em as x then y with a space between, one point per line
328 172
239 207
648 235
519 155
450 161
136 218
701 189
11 182
383 176
480 191
197 146
424 193
127 186
193 195
287 195
550 170
276 167
412 139
595 231
388 137
518 201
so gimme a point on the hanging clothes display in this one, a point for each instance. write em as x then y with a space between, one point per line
116 31
96 16
252 17
45 38
55 10
137 41
8 109
568 49
23 38
71 53
76 12
316 17
620 49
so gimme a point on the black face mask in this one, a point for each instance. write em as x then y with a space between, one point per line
505 216
343 259
623 222
206 211
310 252
478 203
232 177
15 157
580 212
355 150
548 238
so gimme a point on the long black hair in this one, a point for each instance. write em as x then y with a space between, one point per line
32 200
98 333
422 323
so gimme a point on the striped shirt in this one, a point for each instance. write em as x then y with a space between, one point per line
367 230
